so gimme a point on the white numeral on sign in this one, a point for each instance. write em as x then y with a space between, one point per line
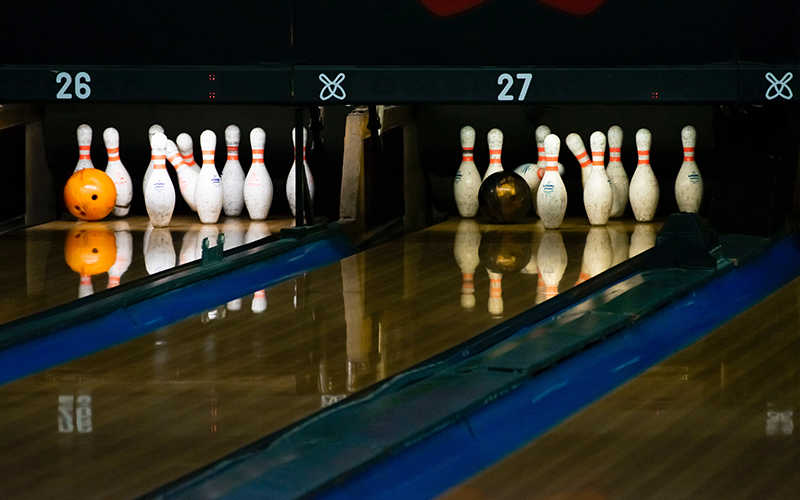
508 81
82 89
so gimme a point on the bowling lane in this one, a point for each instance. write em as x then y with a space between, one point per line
121 422
39 262
714 421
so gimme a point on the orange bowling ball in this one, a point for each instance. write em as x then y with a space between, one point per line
90 194
90 249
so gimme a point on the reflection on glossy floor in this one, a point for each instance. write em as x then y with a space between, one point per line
124 421
49 265
714 421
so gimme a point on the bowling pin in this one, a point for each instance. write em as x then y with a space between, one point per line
118 173
575 144
598 252
258 188
187 178
689 184
208 189
186 147
232 175
543 131
551 197
290 181
552 259
153 130
84 148
124 240
616 172
159 193
598 195
468 180
495 139
643 238
465 251
160 254
644 190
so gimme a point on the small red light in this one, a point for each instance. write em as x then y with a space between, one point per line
211 78
212 95
654 95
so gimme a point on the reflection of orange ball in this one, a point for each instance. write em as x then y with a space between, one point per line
90 194
90 249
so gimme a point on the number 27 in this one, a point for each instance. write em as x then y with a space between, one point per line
506 79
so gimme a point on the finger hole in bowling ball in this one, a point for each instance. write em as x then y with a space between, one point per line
505 252
504 197
94 196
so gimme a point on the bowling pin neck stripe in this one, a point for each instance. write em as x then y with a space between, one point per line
467 284
159 161
494 287
86 280
208 156
260 294
176 161
614 154
84 152
113 154
494 156
688 154
466 155
113 281
644 157
597 159
304 153
551 290
552 163
258 156
541 153
233 153
188 160
583 159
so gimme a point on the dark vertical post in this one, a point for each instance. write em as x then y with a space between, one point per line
299 171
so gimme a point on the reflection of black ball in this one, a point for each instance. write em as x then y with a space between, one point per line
505 251
504 197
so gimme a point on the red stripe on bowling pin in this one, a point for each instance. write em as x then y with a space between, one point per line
583 159
113 281
494 156
495 289
467 283
551 291
644 157
113 154
688 154
208 156
260 294
466 155
615 154
233 153
552 163
541 153
159 161
84 152
258 156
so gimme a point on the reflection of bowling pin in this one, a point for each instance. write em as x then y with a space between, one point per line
232 175
259 303
206 231
85 288
159 194
644 186
598 195
188 247
597 254
160 254
552 259
258 188
84 148
468 180
465 250
208 190
495 138
689 184
146 236
118 173
495 294
616 172
234 237
643 238
551 198
154 129
619 242
290 181
124 240
186 147
532 267
187 178
256 231
575 144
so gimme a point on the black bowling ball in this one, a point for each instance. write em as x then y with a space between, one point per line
504 197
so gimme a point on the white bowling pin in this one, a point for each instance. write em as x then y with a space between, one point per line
160 254
643 238
468 180
552 259
616 172
208 189
465 250
153 130
232 175
542 131
84 148
551 197
689 184
159 193
258 188
290 181
118 173
644 190
598 252
186 147
124 240
598 195
187 178
495 139
575 144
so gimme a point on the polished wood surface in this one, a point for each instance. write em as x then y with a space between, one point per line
121 422
36 274
715 421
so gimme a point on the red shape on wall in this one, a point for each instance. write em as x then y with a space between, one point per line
449 8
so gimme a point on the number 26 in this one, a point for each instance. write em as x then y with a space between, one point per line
82 89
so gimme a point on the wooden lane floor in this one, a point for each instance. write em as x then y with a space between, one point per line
121 422
37 272
714 421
